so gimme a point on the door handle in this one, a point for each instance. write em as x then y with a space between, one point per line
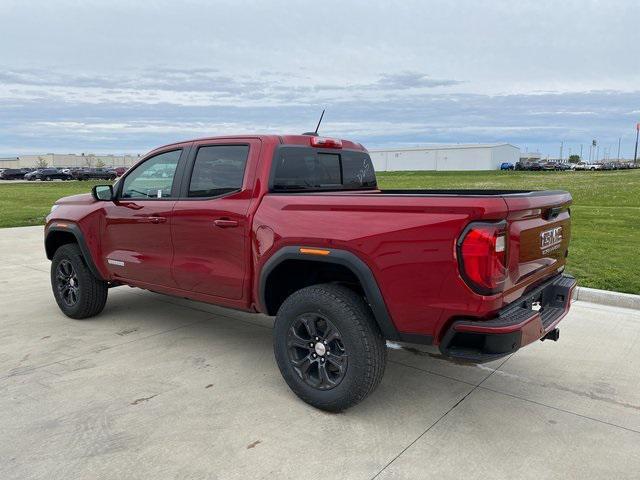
225 223
157 219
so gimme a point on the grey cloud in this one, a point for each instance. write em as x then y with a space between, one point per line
211 80
412 80
399 117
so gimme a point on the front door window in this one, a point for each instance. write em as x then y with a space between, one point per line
152 179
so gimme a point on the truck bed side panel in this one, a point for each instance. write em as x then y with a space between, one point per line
407 242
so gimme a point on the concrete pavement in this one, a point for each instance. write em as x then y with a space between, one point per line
157 387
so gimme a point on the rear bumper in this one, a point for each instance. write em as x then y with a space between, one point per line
516 325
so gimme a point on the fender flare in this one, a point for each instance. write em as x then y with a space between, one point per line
346 259
73 229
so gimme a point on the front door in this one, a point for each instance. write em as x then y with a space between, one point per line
137 233
210 224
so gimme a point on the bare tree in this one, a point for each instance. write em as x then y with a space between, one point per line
42 162
100 163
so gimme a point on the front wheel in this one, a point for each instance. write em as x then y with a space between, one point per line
328 346
78 293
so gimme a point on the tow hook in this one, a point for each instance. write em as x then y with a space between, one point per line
552 335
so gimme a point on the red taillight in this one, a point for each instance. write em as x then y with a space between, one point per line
324 142
482 256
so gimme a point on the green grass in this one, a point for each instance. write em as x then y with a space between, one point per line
23 204
605 231
605 243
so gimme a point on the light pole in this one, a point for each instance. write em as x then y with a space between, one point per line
635 153
561 145
619 140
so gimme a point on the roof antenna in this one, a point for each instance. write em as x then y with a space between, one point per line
315 134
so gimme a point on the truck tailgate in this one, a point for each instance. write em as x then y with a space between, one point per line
539 231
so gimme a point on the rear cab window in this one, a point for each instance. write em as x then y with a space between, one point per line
309 169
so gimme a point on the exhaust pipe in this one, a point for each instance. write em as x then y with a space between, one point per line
552 335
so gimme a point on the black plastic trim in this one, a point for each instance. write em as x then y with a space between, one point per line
417 338
554 296
76 232
346 259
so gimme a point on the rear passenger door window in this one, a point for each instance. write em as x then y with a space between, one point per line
218 170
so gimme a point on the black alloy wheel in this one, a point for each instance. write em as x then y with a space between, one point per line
67 283
328 346
316 351
78 292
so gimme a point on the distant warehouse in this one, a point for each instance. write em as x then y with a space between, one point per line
445 157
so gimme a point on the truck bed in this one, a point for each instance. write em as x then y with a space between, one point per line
408 240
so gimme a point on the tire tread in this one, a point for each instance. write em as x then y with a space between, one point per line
96 290
358 313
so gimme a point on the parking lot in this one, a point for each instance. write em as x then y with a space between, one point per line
158 387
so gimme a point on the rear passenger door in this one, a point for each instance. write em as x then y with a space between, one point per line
210 226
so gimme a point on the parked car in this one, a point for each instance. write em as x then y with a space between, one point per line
588 166
549 166
534 166
609 166
563 166
95 174
120 170
506 166
13 173
47 174
296 226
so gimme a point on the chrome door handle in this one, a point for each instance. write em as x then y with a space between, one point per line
157 219
225 223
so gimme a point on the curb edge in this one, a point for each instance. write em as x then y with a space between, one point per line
606 297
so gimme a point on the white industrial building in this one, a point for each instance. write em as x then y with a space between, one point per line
445 157
68 160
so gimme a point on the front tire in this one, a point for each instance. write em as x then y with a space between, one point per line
328 346
78 293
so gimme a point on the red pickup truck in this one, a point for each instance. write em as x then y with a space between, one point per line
295 226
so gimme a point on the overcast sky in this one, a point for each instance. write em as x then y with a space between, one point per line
125 76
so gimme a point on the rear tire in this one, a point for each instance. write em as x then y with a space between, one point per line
328 346
78 293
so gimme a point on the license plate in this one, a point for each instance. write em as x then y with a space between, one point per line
550 238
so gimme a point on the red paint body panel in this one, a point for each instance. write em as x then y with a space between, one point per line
408 241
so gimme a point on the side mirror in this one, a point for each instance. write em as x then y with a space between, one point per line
103 193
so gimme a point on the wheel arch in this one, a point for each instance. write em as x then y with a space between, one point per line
58 235
275 282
